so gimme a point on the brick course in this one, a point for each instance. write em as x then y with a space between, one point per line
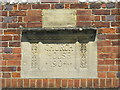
103 16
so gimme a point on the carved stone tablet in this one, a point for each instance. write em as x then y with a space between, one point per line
56 59
59 18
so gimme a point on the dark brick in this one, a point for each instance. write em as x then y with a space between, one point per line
59 6
8 7
80 5
95 5
111 5
110 18
9 19
118 75
8 69
41 6
8 50
118 5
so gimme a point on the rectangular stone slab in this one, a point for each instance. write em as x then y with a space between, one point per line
58 59
59 18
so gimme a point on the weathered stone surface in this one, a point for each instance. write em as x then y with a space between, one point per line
59 18
67 59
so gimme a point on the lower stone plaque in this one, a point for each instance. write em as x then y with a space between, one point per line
56 58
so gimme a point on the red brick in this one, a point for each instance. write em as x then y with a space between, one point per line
114 68
70 83
108 83
1 50
11 31
97 18
6 38
84 24
2 62
4 44
109 49
45 83
85 18
103 18
81 5
118 5
58 83
6 75
116 83
102 83
107 30
102 68
17 38
84 12
116 36
67 6
76 83
83 83
24 7
3 83
8 83
111 74
115 24
104 43
14 44
103 5
15 7
96 83
41 6
11 56
14 83
1 19
16 25
101 24
117 18
32 83
15 75
107 55
117 62
16 50
51 83
115 43
89 83
115 11
101 12
20 19
18 68
52 6
64 83
34 12
39 83
34 25
26 83
20 83
4 13
68 1
17 13
102 74
32 18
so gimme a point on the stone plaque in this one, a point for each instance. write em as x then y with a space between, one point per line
59 18
56 58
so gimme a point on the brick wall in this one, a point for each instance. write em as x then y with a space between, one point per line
103 16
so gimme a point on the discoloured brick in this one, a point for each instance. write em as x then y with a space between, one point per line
81 5
59 6
41 6
111 5
8 7
95 5
110 18
8 50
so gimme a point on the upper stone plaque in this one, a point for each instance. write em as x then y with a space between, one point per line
59 18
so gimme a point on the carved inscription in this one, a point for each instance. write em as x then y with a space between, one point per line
59 54
83 51
34 50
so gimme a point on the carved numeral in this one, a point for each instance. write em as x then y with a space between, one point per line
83 51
